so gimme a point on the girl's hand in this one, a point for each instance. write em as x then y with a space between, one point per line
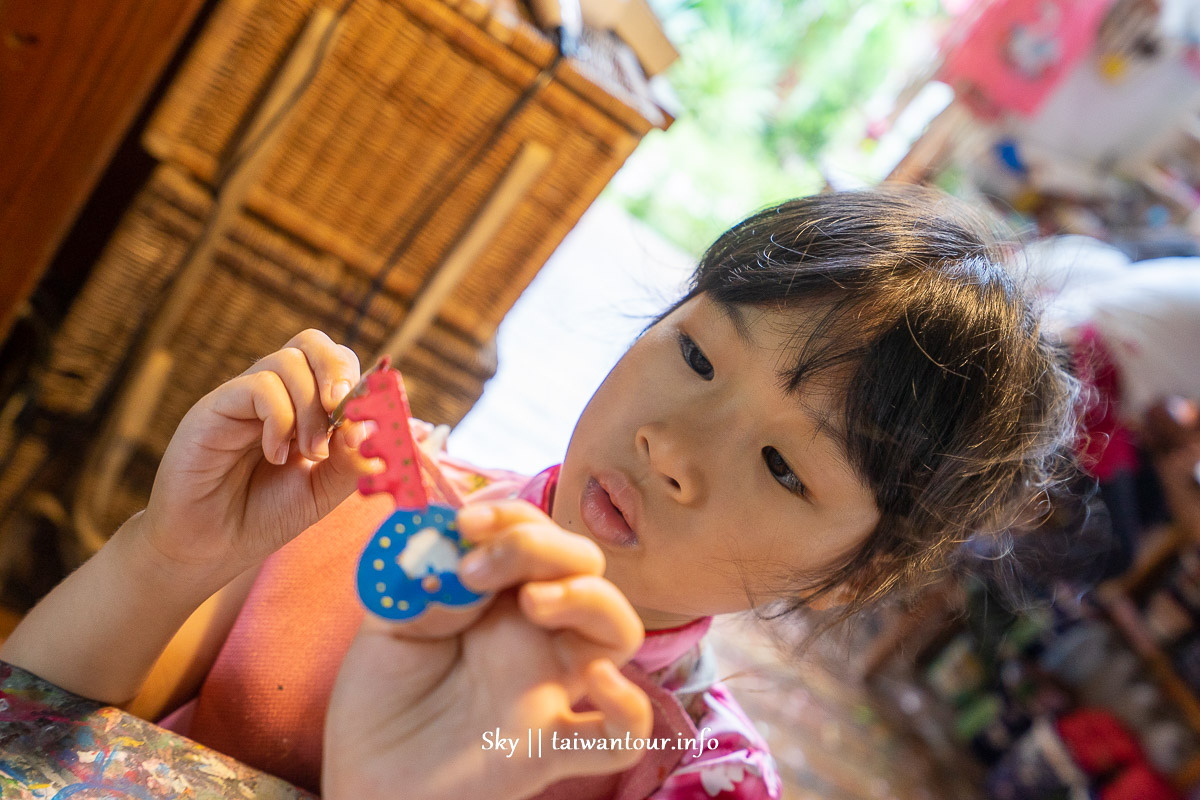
251 465
412 702
247 470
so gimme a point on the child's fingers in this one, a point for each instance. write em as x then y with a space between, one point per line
622 713
318 373
343 449
481 521
593 617
335 478
291 365
528 551
435 623
334 366
625 707
261 396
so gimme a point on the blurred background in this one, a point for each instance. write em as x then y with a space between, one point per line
501 202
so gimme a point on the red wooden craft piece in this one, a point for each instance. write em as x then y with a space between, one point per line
385 403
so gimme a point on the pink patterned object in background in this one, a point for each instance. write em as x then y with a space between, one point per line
1013 53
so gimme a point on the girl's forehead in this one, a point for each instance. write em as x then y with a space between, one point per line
752 348
779 335
769 326
765 347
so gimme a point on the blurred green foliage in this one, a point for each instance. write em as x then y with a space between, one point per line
765 87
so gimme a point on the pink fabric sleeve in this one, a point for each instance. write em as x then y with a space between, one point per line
732 760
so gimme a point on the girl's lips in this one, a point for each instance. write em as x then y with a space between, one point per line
603 518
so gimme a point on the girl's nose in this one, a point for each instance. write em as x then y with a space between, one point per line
673 461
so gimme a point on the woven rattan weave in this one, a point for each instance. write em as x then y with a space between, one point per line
411 117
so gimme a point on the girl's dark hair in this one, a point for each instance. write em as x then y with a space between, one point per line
959 414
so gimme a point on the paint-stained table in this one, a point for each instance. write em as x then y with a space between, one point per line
57 745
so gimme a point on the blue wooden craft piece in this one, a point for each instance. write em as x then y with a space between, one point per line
411 563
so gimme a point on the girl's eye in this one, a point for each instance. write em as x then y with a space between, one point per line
781 471
694 358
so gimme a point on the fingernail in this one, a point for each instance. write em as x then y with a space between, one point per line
355 433
475 565
340 390
475 516
319 446
281 454
545 592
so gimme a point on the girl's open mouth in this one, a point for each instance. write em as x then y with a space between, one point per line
603 518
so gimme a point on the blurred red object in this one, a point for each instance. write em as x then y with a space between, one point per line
1106 446
1139 782
1098 742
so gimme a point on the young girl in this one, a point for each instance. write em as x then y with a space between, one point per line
852 387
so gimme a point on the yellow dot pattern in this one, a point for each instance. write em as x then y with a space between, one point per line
431 585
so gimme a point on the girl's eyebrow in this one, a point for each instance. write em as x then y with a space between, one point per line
820 424
737 318
823 426
834 451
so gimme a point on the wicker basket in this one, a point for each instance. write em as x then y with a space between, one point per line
400 137
264 287
25 455
409 91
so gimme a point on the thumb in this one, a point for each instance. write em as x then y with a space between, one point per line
336 477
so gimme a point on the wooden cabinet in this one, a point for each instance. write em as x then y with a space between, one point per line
72 78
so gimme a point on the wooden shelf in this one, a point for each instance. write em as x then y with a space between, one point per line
1116 597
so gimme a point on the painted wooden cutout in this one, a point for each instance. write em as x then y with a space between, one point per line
412 560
